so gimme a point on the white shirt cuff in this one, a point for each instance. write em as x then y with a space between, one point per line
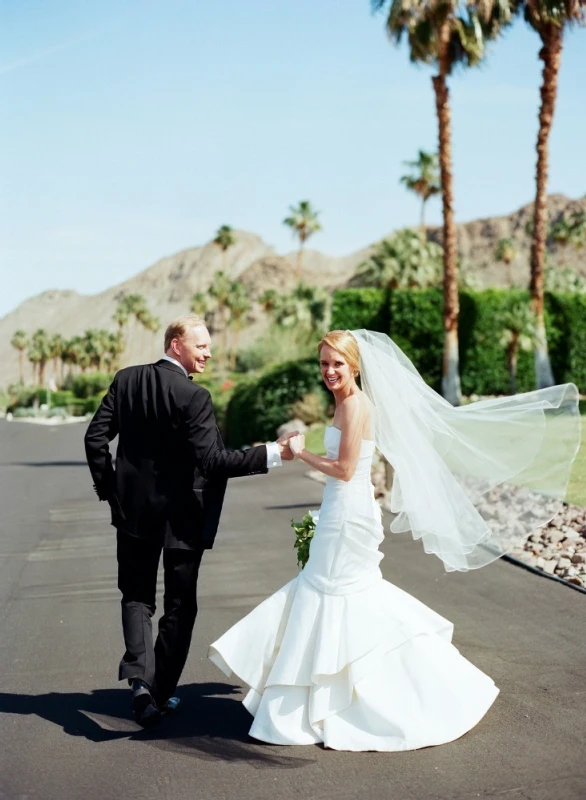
273 456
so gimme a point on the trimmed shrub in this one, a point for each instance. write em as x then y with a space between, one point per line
258 408
353 309
416 325
417 328
85 386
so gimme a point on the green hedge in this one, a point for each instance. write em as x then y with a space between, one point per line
258 408
360 308
415 323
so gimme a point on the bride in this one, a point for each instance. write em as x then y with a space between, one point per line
341 656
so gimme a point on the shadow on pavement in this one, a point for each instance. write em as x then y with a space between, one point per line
313 504
46 464
207 726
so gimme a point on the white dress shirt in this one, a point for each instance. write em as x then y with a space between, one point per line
273 453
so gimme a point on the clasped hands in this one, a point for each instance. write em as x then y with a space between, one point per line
291 445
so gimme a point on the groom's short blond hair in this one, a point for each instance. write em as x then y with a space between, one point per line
177 329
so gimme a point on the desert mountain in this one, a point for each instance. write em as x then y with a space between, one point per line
169 284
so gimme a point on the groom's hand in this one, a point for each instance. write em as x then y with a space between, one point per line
284 449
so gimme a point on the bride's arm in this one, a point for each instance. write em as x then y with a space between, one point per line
343 467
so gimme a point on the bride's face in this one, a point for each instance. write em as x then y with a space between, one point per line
335 371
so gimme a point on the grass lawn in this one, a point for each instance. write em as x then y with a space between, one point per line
576 491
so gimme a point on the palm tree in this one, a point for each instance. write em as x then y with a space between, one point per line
550 19
20 342
40 348
239 305
518 326
505 253
56 345
304 223
446 35
402 262
424 180
225 238
570 231
268 300
134 307
200 304
220 289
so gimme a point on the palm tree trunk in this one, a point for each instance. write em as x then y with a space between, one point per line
451 373
299 262
550 54
422 222
42 365
21 365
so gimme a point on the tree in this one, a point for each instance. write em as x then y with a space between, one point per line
446 35
133 307
268 300
505 253
518 326
305 310
424 180
20 342
569 230
239 305
220 290
41 352
200 304
550 19
402 262
304 223
225 238
56 345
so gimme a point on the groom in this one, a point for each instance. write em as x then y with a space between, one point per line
166 495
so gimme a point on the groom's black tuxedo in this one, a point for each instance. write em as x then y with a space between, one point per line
171 463
166 493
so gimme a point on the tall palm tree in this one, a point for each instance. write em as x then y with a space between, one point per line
224 239
446 35
550 19
303 221
505 253
200 304
424 180
20 342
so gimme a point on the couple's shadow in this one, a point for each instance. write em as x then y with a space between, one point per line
207 726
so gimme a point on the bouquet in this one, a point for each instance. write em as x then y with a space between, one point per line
303 535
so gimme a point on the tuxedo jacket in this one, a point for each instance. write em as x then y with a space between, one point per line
171 464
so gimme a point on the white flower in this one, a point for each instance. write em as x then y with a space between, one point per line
314 515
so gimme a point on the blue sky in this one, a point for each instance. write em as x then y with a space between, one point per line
132 130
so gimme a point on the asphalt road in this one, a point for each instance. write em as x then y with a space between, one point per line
65 726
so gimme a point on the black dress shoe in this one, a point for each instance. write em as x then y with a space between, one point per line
171 706
144 709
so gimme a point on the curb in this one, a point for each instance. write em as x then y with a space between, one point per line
517 562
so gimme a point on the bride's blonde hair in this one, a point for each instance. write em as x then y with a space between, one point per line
346 345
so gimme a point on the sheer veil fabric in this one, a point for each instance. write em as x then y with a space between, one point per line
474 481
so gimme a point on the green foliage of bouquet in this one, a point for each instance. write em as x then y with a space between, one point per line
304 531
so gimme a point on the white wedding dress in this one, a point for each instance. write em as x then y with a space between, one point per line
343 657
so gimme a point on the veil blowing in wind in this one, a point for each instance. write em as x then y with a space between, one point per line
471 482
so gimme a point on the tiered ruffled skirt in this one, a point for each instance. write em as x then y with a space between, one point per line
369 670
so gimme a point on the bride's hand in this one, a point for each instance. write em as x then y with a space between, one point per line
297 444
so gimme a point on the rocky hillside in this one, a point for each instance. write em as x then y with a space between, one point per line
170 283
